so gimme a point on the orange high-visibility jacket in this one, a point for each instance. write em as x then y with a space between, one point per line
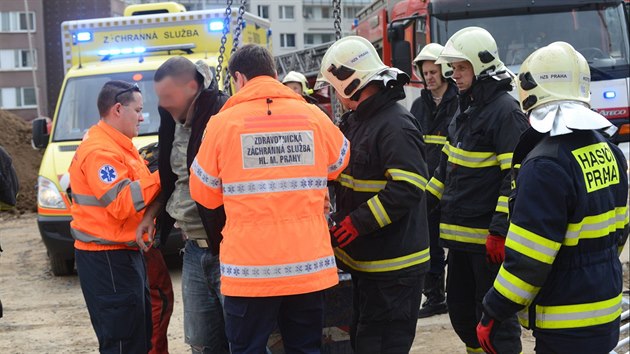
111 185
267 157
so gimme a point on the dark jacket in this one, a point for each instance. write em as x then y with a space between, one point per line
382 189
568 216
434 120
472 180
208 103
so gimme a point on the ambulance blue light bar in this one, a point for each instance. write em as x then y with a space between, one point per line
215 26
84 36
610 95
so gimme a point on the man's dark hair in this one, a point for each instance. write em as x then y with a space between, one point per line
115 91
178 68
252 60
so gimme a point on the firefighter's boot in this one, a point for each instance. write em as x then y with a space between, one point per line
435 303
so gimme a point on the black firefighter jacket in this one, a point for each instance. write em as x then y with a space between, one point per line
382 189
568 221
208 102
472 181
434 120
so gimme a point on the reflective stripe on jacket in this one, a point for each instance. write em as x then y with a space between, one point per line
568 218
111 186
382 189
270 171
472 181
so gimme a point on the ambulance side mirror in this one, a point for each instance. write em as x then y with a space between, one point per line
41 134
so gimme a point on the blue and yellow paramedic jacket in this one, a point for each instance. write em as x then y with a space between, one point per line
472 182
568 221
382 189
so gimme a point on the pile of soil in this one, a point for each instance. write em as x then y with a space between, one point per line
15 137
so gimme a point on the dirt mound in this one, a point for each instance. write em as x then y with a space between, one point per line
15 137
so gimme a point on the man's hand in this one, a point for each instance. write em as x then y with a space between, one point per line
344 232
485 333
146 226
495 249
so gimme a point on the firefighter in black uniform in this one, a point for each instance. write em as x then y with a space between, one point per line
473 181
434 110
381 230
568 216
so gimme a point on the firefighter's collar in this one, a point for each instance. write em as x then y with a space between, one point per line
562 117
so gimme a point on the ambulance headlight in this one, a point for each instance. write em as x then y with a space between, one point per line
48 195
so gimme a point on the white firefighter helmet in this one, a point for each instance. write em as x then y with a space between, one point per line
554 85
430 52
477 46
294 76
351 63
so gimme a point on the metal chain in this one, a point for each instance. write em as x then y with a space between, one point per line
235 41
337 17
337 110
226 30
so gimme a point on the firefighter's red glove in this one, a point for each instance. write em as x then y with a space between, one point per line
485 333
495 249
344 232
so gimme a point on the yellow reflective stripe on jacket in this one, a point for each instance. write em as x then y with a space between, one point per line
513 288
361 185
622 217
531 244
577 316
470 350
379 212
384 265
502 205
406 176
505 160
435 187
523 317
435 139
594 226
463 234
471 159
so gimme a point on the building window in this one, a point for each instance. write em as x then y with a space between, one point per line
17 97
12 59
287 40
308 12
286 12
17 21
326 12
311 39
263 11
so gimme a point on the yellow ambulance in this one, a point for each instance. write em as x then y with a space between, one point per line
128 48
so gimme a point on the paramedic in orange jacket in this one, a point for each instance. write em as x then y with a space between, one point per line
111 186
267 156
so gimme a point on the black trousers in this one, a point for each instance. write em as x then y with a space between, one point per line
470 277
438 260
250 320
385 312
116 292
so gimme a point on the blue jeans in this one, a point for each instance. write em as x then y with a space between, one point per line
204 325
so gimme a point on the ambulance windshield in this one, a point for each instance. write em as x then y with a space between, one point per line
78 111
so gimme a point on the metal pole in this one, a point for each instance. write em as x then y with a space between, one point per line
29 31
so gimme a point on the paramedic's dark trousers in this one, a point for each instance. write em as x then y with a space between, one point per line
116 292
385 312
250 320
470 276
